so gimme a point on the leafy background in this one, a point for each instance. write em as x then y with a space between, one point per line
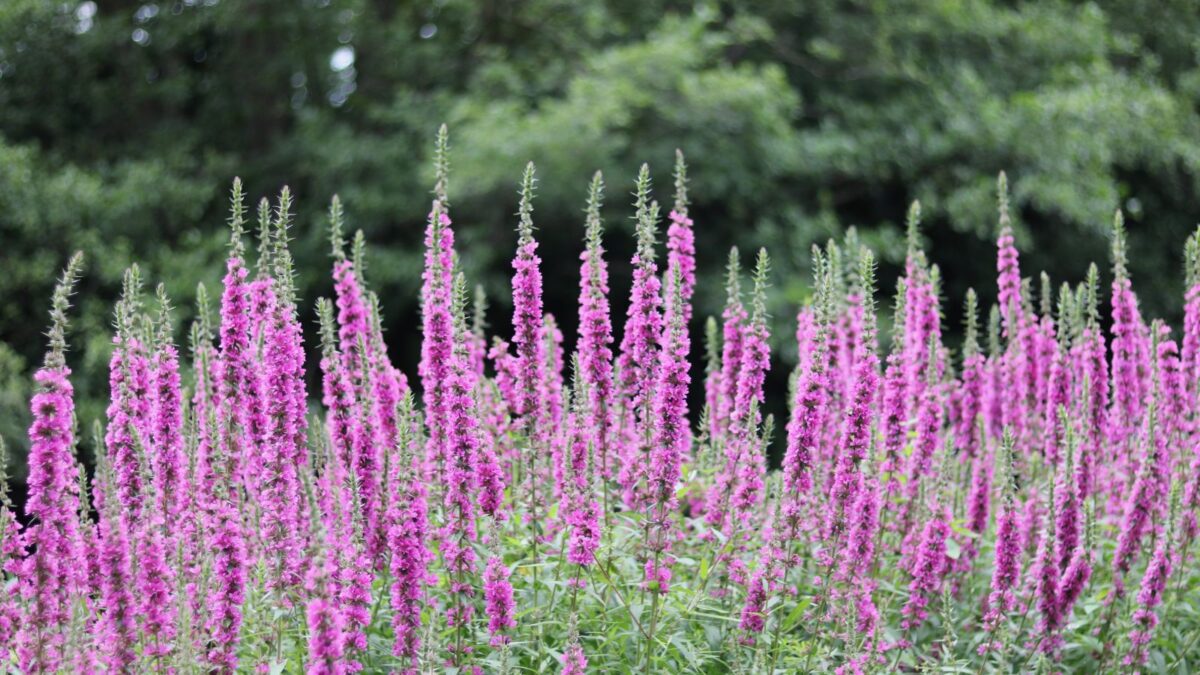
122 125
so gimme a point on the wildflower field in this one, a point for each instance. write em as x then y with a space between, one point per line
534 502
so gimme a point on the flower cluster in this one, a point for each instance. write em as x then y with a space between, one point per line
508 517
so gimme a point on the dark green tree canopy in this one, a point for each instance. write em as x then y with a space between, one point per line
122 124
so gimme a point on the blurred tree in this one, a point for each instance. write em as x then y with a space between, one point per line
122 123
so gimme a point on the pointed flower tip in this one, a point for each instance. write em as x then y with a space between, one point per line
762 266
326 326
1119 243
441 163
866 280
866 270
283 210
596 189
264 227
164 302
133 274
237 215
733 271
593 222
440 150
913 226
60 303
525 209
74 268
66 283
681 181
528 182
337 240
1191 256
971 316
1002 199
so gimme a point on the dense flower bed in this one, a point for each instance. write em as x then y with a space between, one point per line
1031 504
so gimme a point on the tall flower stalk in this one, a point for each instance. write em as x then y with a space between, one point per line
595 340
671 435
225 533
407 522
530 350
639 358
681 243
46 577
1006 570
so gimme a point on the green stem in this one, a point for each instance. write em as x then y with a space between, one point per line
699 593
778 627
383 593
1108 620
608 580
1187 649
653 622
1029 653
557 568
